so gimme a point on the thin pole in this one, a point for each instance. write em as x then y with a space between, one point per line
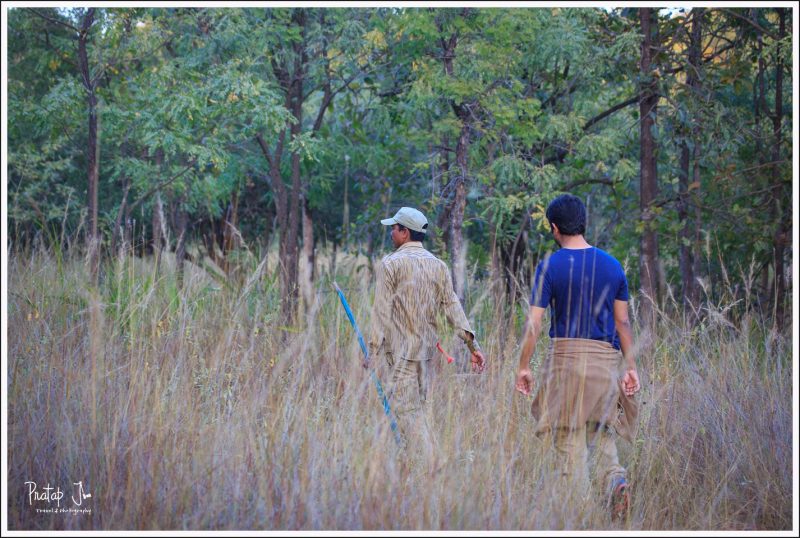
381 394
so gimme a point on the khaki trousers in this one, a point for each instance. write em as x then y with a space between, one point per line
578 448
408 392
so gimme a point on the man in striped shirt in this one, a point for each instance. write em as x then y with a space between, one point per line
412 287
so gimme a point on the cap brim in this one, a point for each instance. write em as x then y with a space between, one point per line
388 222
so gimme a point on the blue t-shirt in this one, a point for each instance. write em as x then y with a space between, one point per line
580 287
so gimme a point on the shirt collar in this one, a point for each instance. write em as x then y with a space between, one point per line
410 244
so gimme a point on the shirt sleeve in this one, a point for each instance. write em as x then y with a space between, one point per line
541 292
381 309
622 291
452 306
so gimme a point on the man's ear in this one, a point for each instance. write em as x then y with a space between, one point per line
554 228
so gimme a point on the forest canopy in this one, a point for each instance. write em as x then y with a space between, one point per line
143 130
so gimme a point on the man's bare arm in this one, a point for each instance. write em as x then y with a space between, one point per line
623 324
533 327
624 330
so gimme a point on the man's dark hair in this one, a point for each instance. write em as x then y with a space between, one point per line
414 235
568 213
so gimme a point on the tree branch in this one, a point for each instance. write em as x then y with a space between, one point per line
161 185
83 56
60 52
706 59
328 97
56 21
116 60
752 23
603 115
571 87
391 92
579 182
562 152
264 148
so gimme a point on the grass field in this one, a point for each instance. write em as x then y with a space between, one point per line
195 409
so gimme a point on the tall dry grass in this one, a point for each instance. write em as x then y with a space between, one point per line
195 409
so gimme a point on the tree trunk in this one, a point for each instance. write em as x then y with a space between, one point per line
760 108
779 210
287 202
446 219
156 232
92 148
290 291
371 246
230 240
281 207
648 260
496 268
279 189
181 222
93 240
460 182
698 223
332 266
457 254
115 236
686 234
128 231
443 223
307 276
498 290
346 203
512 257
158 219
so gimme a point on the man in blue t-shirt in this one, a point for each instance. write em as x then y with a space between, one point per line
590 372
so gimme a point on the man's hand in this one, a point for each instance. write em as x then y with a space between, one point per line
630 382
524 381
478 361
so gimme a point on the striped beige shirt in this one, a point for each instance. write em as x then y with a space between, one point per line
412 287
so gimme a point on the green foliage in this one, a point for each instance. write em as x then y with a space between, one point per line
183 94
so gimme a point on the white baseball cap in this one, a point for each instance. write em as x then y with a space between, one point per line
410 218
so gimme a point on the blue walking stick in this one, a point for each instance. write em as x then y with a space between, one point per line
378 386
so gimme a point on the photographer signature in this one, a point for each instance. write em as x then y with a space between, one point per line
50 494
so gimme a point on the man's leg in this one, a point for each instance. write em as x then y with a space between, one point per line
570 445
427 432
609 474
407 402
